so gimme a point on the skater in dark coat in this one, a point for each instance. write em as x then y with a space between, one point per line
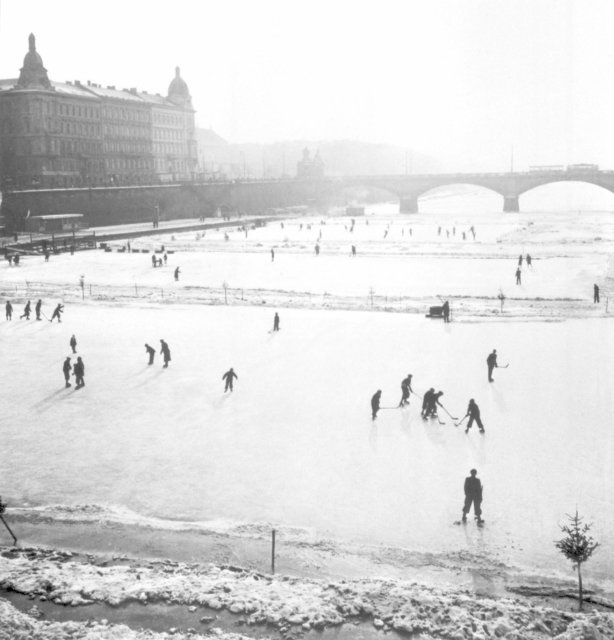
446 311
473 411
405 390
57 313
79 372
37 308
426 402
26 311
528 259
73 343
276 322
151 352
595 293
375 404
491 362
272 255
431 410
473 495
229 376
8 308
66 369
520 260
177 272
166 353
518 276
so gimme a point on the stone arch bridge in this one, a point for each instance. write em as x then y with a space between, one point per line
510 186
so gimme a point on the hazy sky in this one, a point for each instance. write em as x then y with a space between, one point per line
462 80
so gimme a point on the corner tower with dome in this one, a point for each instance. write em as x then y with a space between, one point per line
77 134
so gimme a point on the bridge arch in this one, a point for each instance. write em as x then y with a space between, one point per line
459 189
579 195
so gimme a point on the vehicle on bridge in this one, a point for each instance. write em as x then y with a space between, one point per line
547 168
582 167
55 222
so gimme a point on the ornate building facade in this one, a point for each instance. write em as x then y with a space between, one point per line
70 134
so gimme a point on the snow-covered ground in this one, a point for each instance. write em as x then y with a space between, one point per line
294 446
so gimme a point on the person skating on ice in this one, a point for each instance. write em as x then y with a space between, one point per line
57 312
166 353
405 390
151 352
595 293
229 376
26 311
66 369
375 403
473 411
8 310
276 322
79 373
518 276
491 363
473 495
426 402
73 343
37 309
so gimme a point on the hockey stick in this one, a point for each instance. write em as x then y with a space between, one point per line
451 416
458 424
504 366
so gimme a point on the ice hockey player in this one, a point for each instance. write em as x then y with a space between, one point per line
426 402
73 343
473 411
166 353
79 372
177 274
473 495
26 311
272 255
520 260
57 312
405 390
37 308
229 376
8 309
66 369
276 322
491 362
518 276
375 403
528 260
431 410
151 352
595 293
446 311
154 261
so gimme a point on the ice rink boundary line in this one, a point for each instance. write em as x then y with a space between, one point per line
464 309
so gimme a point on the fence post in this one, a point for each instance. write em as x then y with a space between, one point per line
273 552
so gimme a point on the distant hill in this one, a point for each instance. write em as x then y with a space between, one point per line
341 157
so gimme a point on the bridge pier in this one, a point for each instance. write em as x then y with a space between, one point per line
511 204
408 205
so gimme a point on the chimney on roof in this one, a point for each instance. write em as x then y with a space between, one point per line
78 83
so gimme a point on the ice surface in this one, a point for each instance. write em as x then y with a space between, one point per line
294 445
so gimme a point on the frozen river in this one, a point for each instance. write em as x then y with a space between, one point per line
294 446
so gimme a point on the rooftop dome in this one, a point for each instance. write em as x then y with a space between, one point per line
33 74
178 91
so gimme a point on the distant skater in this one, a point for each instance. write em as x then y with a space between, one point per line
8 309
491 362
154 261
66 369
431 410
446 311
37 309
151 352
57 312
272 255
26 311
595 293
177 272
317 249
166 353
405 390
353 251
73 343
473 411
79 373
529 260
276 322
518 276
229 376
375 404
520 260
473 495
